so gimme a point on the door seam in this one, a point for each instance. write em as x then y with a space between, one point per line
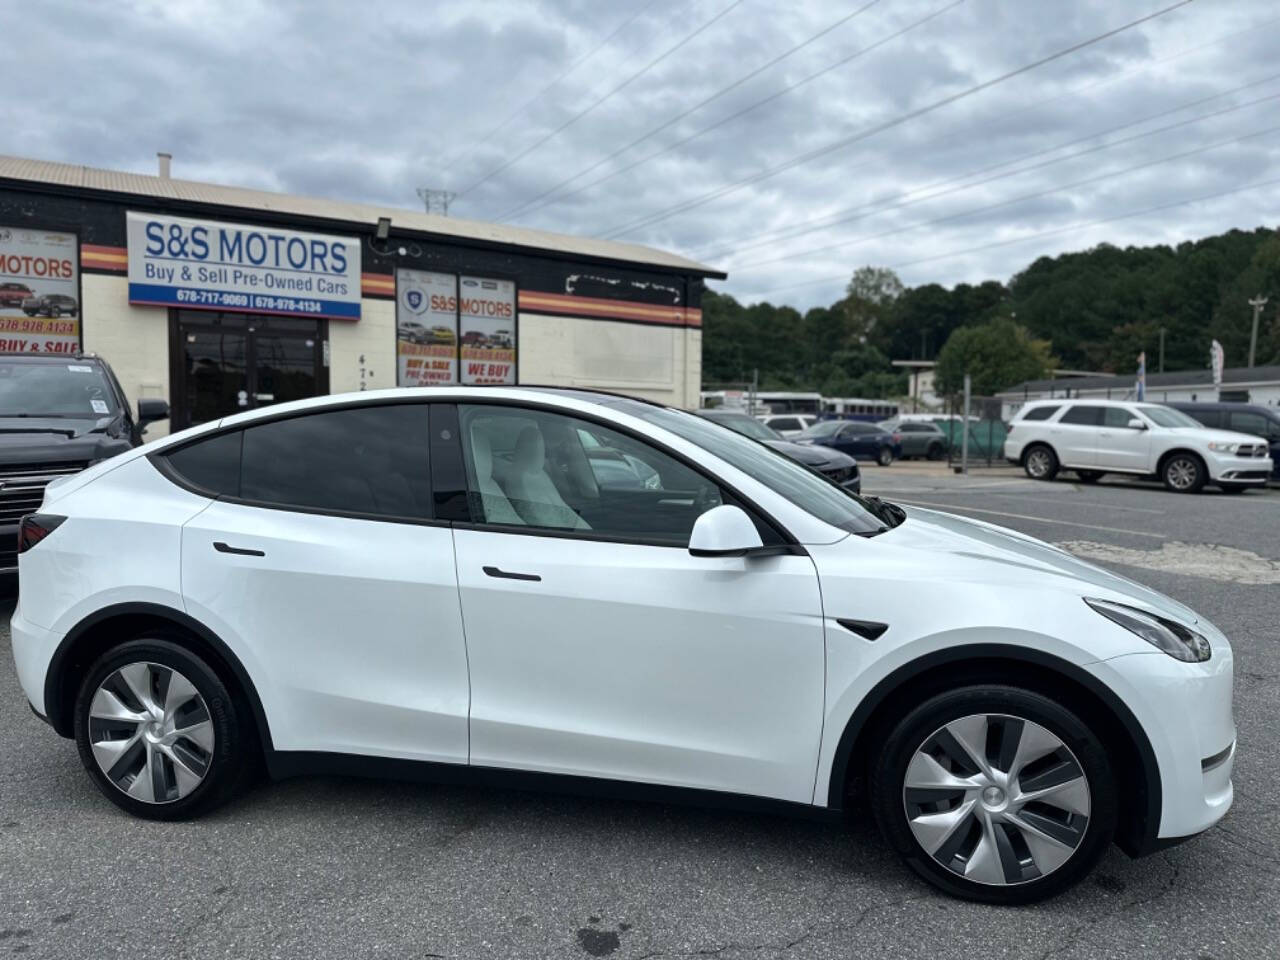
462 619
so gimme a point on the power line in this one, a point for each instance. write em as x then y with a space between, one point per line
1025 197
705 198
1160 208
597 102
1011 173
850 214
533 201
476 144
760 103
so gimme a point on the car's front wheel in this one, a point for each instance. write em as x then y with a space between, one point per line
1183 473
159 732
995 793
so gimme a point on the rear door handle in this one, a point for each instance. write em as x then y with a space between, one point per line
241 551
504 575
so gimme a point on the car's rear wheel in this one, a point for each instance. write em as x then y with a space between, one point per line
885 456
995 793
935 451
1089 476
1040 462
1183 473
159 732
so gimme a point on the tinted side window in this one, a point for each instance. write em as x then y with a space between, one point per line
1246 421
365 460
786 423
1083 414
1041 413
1210 418
212 464
533 468
1117 417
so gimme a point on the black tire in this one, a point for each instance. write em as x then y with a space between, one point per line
1183 472
1037 468
887 778
234 750
885 456
934 452
55 312
1089 476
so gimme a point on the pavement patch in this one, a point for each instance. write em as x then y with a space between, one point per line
1208 560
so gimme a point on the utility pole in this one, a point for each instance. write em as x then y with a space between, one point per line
436 201
1161 350
1257 303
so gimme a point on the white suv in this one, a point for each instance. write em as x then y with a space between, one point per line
515 585
1095 437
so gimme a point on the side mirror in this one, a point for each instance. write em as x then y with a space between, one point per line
724 531
151 409
1136 424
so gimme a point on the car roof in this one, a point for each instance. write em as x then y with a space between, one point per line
54 357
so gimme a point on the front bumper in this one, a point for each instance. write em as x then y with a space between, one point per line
1185 711
1239 470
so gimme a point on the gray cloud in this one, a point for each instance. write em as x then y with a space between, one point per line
367 102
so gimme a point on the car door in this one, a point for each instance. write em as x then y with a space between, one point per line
1074 434
321 560
1120 446
599 646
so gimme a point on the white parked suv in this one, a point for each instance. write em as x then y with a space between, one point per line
789 425
537 586
1096 437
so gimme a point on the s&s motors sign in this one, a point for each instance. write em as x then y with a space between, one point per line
204 264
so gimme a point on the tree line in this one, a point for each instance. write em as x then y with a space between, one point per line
1095 309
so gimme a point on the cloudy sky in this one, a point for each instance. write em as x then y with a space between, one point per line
786 142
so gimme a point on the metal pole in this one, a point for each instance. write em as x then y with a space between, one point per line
1161 350
964 426
1257 303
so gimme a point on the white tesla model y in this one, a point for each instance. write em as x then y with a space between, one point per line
529 585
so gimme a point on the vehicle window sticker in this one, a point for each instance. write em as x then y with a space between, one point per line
77 368
99 406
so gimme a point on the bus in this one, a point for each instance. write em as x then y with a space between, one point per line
766 401
858 408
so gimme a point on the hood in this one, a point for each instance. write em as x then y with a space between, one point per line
53 439
1007 552
1211 435
811 455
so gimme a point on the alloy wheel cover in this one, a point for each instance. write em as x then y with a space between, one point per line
1181 473
151 732
1038 463
997 799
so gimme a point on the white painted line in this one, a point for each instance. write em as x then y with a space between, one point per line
1022 516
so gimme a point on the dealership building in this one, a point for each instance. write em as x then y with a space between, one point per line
219 299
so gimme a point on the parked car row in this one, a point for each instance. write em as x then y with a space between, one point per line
1097 437
837 467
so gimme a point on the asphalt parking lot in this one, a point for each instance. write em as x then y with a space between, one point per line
346 868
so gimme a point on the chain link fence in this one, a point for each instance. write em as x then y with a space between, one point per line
984 426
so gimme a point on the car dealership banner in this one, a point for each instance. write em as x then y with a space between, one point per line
208 265
39 291
426 328
487 327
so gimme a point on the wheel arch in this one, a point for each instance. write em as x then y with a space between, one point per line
1164 458
1137 771
1031 445
102 629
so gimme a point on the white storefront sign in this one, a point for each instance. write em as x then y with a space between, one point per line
209 265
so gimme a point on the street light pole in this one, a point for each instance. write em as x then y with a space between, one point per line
1257 303
1161 350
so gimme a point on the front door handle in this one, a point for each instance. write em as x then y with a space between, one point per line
504 575
241 551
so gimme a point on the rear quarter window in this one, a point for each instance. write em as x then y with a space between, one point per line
1041 413
213 465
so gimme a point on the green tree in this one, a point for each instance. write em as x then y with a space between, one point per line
996 355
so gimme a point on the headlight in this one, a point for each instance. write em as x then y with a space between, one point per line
1220 447
1178 641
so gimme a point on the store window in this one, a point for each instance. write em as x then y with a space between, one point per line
454 329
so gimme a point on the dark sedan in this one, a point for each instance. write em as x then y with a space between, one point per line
856 438
835 466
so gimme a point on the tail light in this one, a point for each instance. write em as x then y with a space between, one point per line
897 438
34 527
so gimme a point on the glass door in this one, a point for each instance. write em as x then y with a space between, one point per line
223 363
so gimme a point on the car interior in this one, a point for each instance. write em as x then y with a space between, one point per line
556 472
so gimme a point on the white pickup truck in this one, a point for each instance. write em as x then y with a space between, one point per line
1096 437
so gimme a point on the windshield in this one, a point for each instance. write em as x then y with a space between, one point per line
747 426
808 490
824 428
55 390
1168 417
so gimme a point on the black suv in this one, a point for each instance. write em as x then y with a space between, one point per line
58 414
1250 418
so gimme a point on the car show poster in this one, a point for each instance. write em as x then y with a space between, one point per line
39 291
487 326
426 328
